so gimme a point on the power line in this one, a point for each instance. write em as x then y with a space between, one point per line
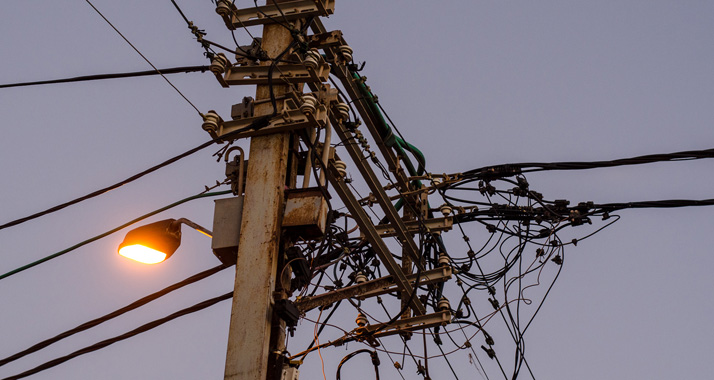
127 335
507 170
170 70
105 234
258 124
94 322
146 59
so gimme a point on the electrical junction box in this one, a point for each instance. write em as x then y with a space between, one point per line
227 217
290 373
305 212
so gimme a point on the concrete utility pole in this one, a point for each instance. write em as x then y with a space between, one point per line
252 312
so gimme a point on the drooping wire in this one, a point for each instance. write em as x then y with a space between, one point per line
143 328
95 322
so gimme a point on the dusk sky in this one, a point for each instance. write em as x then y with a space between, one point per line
470 83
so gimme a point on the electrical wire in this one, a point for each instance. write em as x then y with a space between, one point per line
105 234
94 322
506 170
257 124
143 328
85 78
146 59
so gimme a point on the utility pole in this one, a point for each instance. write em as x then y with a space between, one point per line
252 311
272 217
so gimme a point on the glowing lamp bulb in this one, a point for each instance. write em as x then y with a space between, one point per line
152 243
142 254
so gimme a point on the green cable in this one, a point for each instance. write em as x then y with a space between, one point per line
90 240
389 139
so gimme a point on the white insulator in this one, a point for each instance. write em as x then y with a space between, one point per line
443 304
346 52
219 64
211 122
446 209
361 320
309 104
312 58
344 110
341 168
360 278
223 8
443 259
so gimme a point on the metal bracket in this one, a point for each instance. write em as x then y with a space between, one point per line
243 110
235 170
291 118
290 73
414 226
323 40
372 288
271 13
420 322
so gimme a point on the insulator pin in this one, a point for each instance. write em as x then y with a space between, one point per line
346 52
312 58
344 110
219 64
211 122
341 168
223 8
361 320
443 259
309 104
445 209
443 304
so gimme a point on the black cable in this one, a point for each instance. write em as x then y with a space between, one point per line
136 331
94 322
507 170
670 203
373 354
171 70
260 123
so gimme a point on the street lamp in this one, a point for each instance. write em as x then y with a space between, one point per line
156 242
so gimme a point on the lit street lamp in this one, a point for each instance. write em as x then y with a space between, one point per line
156 242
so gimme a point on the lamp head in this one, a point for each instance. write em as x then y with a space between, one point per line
152 243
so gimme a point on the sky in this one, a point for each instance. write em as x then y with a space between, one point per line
470 83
